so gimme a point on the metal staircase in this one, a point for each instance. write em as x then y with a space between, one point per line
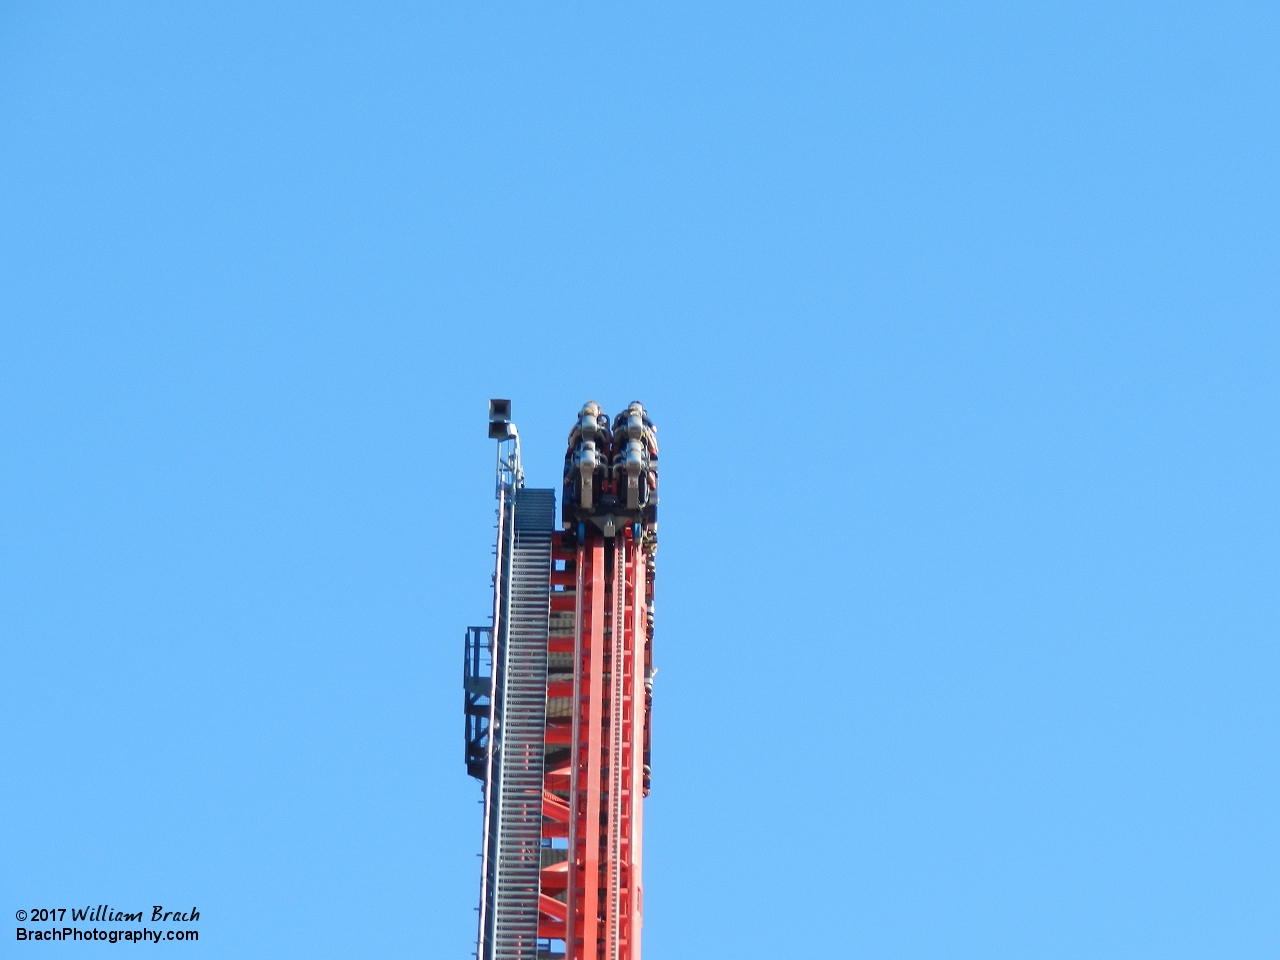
520 722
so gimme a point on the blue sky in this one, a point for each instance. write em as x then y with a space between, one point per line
960 328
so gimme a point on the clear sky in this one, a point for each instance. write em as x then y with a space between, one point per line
959 323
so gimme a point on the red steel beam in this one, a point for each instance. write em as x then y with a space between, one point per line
635 780
554 807
594 635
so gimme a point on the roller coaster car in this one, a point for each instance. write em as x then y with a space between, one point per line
611 476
